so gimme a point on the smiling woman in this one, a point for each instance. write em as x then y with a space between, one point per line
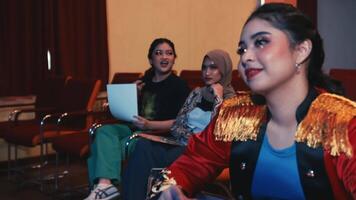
161 94
291 124
162 61
264 61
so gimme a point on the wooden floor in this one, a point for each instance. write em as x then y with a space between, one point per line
15 188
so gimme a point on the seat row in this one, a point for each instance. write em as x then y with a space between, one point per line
64 114
193 78
57 100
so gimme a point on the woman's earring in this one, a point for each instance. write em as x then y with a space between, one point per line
297 65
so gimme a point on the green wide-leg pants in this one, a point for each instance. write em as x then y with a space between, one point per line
107 152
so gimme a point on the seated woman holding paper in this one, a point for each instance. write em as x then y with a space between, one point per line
194 116
161 95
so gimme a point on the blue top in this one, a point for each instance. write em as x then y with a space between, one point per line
276 175
198 119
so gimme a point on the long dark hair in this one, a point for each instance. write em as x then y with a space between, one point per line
150 72
299 28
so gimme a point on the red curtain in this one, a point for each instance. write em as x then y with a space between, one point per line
22 49
80 38
75 32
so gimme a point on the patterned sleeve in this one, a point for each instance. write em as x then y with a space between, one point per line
217 102
180 127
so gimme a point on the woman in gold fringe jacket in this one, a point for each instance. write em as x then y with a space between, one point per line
291 138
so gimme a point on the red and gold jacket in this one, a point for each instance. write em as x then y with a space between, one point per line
325 142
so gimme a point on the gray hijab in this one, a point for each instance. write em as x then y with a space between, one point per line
223 62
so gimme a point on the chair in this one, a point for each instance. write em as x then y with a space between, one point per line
46 100
81 149
76 96
125 77
348 80
237 82
62 144
220 186
192 77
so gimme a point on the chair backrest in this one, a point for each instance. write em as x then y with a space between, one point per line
192 77
348 80
125 77
237 82
48 93
79 95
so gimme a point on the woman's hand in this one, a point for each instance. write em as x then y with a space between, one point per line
139 84
141 123
218 90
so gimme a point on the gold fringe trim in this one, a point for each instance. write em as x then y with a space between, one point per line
239 119
326 124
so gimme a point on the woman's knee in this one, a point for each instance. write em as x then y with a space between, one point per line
143 145
113 130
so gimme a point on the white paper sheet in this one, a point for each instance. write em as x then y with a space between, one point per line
123 101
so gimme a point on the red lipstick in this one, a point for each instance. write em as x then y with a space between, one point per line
251 72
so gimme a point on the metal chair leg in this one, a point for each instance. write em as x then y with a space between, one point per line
9 161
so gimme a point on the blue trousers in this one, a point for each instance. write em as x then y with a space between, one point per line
146 155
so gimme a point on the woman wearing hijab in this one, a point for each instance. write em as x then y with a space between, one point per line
196 113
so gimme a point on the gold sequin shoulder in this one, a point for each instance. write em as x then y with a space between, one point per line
239 119
326 123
